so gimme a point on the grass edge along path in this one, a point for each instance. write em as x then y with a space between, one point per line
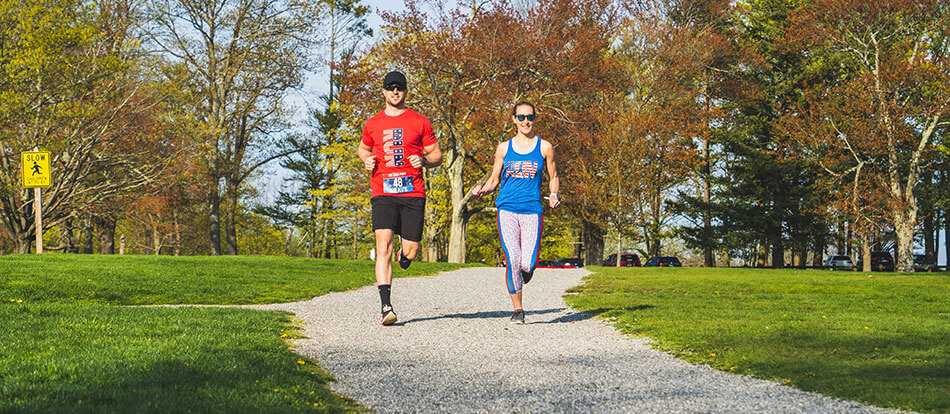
879 338
186 280
65 347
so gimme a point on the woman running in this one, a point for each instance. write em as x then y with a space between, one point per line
519 199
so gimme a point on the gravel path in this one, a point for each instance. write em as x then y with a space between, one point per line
453 350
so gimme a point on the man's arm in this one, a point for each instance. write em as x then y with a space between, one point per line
432 157
365 152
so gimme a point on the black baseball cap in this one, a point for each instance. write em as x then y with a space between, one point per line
395 78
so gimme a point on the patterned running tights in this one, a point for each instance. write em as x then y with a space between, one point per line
521 241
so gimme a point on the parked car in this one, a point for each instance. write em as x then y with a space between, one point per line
922 263
663 261
626 260
571 261
880 261
550 264
839 262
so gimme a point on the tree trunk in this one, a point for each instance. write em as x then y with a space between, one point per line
778 250
457 232
156 239
904 230
842 238
430 251
66 236
819 254
797 259
327 239
850 245
593 236
936 235
930 248
865 253
229 217
946 238
214 218
355 245
106 229
23 245
87 236
709 259
176 228
459 225
619 247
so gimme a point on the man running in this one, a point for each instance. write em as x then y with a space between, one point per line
523 160
397 143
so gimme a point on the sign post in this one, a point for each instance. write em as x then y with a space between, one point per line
37 175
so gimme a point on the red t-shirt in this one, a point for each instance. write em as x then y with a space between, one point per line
394 139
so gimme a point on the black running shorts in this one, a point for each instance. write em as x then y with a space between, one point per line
404 215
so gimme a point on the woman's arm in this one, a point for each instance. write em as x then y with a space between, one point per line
494 179
554 184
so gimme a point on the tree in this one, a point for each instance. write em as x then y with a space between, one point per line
891 103
242 56
770 197
72 86
312 204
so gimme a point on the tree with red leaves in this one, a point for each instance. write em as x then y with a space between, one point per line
872 129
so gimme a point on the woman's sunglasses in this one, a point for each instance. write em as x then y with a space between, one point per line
523 117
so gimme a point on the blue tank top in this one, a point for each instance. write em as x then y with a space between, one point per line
521 181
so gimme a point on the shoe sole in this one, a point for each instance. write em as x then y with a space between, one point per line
399 261
389 319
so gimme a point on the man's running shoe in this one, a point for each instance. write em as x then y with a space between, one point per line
526 276
404 261
389 316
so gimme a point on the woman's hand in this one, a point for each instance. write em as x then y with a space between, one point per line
478 191
554 200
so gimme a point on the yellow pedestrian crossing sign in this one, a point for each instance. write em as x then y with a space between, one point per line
36 169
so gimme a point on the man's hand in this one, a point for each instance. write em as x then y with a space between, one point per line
416 161
370 162
553 200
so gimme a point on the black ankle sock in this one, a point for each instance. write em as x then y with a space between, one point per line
384 291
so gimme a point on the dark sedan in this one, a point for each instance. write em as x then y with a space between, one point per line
663 261
923 263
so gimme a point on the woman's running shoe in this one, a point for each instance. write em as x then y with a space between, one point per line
517 317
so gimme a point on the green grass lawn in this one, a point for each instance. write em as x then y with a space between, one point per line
150 280
883 339
65 347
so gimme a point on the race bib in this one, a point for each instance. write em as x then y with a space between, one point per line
397 185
